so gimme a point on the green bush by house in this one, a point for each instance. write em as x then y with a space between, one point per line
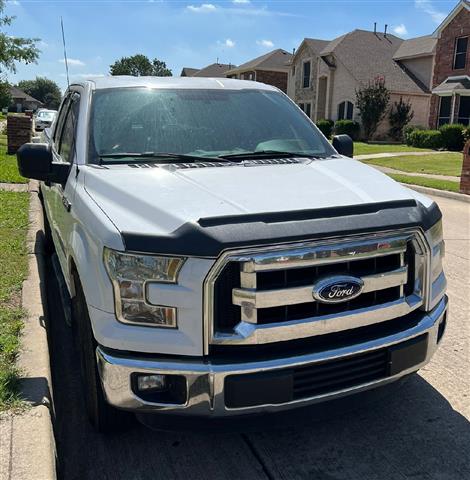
425 139
453 136
348 127
325 127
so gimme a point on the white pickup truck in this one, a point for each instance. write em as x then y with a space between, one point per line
223 258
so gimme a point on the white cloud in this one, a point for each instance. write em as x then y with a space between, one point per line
238 10
430 9
204 7
241 1
229 43
400 29
73 62
265 43
83 75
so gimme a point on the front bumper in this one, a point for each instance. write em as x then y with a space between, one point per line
206 382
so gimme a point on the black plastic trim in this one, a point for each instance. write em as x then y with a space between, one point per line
208 237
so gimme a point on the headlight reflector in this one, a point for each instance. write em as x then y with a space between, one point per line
129 274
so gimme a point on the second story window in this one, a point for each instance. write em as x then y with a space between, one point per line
306 75
460 56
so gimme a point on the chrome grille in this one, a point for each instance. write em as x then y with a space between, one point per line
264 296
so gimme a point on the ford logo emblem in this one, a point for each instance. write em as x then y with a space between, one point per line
337 289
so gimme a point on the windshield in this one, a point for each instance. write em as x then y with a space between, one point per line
46 115
206 123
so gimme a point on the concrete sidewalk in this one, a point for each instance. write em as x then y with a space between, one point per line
27 447
395 154
416 174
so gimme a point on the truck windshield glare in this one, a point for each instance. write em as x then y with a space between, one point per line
207 123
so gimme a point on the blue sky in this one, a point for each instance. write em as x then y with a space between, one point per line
195 33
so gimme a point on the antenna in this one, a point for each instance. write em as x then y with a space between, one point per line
65 52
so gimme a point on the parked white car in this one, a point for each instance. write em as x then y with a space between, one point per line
43 119
223 258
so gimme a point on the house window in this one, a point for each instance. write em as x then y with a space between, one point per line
306 74
301 106
464 111
308 109
445 109
293 71
460 56
345 111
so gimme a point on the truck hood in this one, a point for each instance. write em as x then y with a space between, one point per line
157 200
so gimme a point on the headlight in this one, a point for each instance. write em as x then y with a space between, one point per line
129 274
436 240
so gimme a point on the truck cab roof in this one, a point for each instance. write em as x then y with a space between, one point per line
127 81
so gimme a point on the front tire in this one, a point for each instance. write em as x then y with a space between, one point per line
102 416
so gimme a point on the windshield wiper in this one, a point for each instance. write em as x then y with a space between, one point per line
141 156
269 154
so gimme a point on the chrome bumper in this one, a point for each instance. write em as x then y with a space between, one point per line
205 380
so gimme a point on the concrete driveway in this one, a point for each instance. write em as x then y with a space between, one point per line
417 429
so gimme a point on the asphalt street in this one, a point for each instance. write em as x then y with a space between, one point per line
419 428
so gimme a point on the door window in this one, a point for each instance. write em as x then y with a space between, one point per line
67 139
60 121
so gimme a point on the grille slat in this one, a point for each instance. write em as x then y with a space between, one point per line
360 370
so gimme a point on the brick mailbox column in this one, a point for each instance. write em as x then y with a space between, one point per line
465 178
19 131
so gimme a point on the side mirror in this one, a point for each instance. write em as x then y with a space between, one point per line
344 145
35 161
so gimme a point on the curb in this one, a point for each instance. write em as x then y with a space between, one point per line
32 445
439 193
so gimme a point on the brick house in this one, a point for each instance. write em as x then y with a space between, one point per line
214 70
271 68
450 101
325 75
21 101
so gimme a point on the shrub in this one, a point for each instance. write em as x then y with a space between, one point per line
348 127
466 134
325 127
400 116
453 136
409 129
372 102
425 139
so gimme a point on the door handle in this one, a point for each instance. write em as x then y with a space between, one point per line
67 205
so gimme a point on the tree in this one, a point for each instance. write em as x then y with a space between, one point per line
14 49
44 90
400 116
5 96
139 65
372 102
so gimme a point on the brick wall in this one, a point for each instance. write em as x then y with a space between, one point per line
444 60
277 79
19 131
465 178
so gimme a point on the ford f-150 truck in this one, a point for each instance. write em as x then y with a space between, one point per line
223 258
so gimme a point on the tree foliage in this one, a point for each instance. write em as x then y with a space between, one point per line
140 65
400 116
372 102
14 49
44 90
5 96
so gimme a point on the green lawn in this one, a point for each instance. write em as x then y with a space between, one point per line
13 270
361 148
8 167
426 182
440 164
